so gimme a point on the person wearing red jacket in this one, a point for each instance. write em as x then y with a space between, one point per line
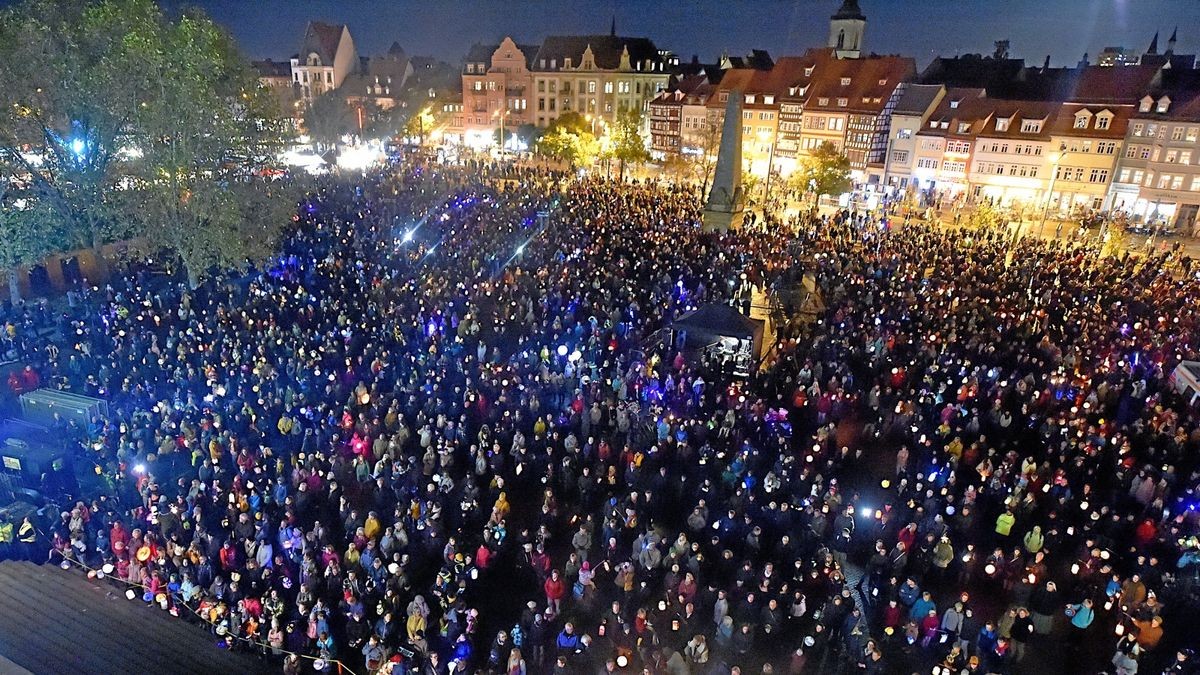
555 590
118 538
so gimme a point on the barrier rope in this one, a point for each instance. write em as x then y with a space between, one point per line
100 574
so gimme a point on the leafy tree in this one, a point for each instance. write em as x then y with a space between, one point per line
984 217
750 183
73 79
710 145
28 232
824 172
328 118
628 146
528 134
574 148
211 137
418 124
501 140
572 122
677 166
129 123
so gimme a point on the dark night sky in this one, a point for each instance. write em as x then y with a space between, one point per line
1065 29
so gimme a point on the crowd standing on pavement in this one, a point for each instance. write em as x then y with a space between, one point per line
441 433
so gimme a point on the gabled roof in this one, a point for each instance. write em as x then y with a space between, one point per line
479 53
917 99
606 49
958 105
1107 84
322 38
1017 112
1183 89
757 59
872 80
1064 122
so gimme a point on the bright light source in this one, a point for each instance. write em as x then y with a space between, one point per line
358 158
78 146
520 249
865 511
408 236
139 469
562 350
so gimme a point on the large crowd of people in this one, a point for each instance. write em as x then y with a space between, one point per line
442 433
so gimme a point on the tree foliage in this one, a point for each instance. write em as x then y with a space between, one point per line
984 217
26 228
72 83
825 172
628 145
571 122
327 118
127 123
576 148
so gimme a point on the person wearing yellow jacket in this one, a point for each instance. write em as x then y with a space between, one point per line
1004 523
6 537
26 539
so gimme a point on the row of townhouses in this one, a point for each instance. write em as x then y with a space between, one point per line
1117 136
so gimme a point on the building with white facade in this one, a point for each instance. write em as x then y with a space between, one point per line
326 58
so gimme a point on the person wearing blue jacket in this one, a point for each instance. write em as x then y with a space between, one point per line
922 606
1082 614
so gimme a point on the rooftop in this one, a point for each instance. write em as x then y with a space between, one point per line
606 49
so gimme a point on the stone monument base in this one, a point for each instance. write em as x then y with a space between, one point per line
722 221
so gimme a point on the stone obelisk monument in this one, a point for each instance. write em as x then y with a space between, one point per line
723 210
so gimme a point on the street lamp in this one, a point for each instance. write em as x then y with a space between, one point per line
501 114
1055 158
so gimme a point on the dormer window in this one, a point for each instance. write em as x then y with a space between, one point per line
883 82
1163 104
1081 121
1002 124
954 105
845 82
843 102
749 98
769 99
1102 121
1031 126
808 71
964 127
823 101
1145 104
